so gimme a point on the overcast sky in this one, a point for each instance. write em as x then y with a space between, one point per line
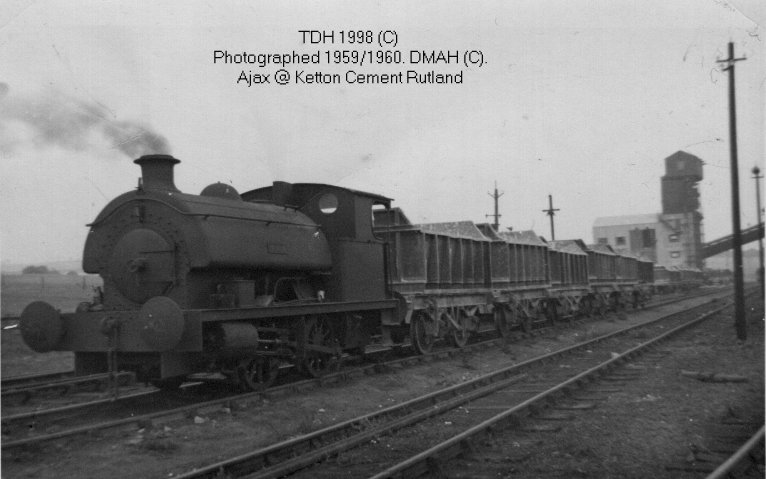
579 99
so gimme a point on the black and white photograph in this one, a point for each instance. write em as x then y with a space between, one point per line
364 239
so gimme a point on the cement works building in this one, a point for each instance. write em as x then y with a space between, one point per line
670 238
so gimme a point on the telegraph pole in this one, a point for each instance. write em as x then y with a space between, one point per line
757 176
550 212
739 293
497 215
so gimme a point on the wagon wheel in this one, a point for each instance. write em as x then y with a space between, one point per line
614 302
526 321
551 312
563 310
622 305
586 308
645 296
459 335
319 333
502 321
421 333
599 307
543 316
257 374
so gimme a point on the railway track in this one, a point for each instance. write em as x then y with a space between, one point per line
581 392
155 407
747 461
28 385
33 379
135 408
517 390
63 383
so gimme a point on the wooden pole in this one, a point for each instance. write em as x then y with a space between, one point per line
739 293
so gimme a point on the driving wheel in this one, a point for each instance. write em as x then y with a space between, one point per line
319 333
257 374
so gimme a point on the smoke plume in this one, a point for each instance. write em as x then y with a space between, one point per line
54 119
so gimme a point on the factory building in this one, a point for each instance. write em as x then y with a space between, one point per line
671 238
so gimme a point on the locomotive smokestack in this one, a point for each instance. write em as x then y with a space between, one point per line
157 172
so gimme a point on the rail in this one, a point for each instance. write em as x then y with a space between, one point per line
454 446
286 457
739 456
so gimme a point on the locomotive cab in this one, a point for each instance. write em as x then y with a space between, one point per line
345 216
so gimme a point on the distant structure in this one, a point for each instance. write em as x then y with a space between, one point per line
670 238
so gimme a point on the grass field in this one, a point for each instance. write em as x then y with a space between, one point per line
16 359
64 292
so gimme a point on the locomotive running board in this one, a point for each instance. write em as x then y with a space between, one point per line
235 314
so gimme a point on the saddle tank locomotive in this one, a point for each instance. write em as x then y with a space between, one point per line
289 274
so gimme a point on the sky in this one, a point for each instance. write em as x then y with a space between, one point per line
578 99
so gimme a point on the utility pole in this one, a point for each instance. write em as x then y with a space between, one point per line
497 215
757 176
550 212
739 293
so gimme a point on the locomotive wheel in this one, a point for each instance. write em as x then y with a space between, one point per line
460 336
318 365
257 374
420 333
319 333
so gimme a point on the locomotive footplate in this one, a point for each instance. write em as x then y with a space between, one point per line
126 331
294 310
123 331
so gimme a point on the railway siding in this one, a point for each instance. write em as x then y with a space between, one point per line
122 412
647 421
171 449
449 407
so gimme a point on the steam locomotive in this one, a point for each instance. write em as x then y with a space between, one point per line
301 274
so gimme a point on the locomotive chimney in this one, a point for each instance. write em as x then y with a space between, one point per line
157 172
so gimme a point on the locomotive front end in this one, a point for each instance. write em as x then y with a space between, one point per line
172 265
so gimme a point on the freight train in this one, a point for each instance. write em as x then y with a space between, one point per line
672 279
300 275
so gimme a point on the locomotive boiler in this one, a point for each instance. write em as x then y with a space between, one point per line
241 284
